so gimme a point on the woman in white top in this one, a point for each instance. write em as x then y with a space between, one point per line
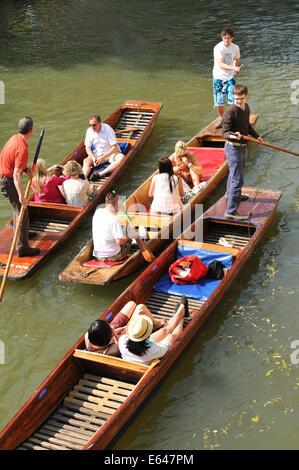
166 189
76 191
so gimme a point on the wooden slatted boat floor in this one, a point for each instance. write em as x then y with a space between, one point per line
163 306
94 398
49 225
87 407
236 235
132 118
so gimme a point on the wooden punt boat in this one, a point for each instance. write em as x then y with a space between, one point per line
208 145
87 399
55 223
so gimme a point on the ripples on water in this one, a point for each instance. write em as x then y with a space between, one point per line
235 387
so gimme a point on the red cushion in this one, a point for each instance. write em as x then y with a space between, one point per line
94 263
210 159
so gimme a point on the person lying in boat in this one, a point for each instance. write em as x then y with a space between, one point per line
166 189
46 185
109 242
101 147
102 337
139 344
186 165
75 190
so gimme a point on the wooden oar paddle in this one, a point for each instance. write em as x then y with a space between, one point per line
129 129
21 216
146 252
251 139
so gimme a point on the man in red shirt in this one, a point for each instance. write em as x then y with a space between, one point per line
13 162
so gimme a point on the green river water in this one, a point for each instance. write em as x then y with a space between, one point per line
236 386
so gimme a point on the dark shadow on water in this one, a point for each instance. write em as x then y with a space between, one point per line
63 34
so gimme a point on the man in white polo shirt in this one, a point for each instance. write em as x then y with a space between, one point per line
109 241
101 147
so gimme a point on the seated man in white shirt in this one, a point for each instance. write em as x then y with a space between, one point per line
109 242
101 147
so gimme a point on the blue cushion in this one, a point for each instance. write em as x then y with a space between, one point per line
124 147
204 287
100 167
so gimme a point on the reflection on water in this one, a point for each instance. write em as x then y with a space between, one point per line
60 61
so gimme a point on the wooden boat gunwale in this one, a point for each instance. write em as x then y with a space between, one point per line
139 290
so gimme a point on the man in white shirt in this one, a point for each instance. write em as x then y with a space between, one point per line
101 147
226 65
109 242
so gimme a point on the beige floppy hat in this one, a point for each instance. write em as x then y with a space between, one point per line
139 328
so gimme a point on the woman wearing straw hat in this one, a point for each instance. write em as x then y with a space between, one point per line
141 345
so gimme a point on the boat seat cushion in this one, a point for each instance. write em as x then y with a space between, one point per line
124 147
210 159
203 288
94 263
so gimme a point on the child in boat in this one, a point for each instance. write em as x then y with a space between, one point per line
186 165
139 344
45 185
166 189
75 190
102 337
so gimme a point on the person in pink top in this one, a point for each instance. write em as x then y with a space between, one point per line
46 185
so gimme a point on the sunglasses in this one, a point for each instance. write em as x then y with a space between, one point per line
93 125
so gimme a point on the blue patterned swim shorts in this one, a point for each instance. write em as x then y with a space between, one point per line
223 88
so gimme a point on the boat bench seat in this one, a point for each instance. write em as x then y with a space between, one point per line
111 361
145 219
211 247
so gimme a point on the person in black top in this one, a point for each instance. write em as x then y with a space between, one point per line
236 120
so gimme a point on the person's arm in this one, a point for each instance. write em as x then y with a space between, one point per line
17 178
152 187
227 123
62 191
224 66
181 189
253 132
89 188
196 163
90 154
121 241
114 149
117 231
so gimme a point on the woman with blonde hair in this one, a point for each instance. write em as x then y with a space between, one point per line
186 165
46 185
75 190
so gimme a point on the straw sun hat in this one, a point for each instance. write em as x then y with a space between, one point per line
139 328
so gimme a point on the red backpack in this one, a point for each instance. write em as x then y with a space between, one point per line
187 270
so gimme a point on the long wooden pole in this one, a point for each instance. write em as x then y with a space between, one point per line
251 139
146 252
20 218
129 129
